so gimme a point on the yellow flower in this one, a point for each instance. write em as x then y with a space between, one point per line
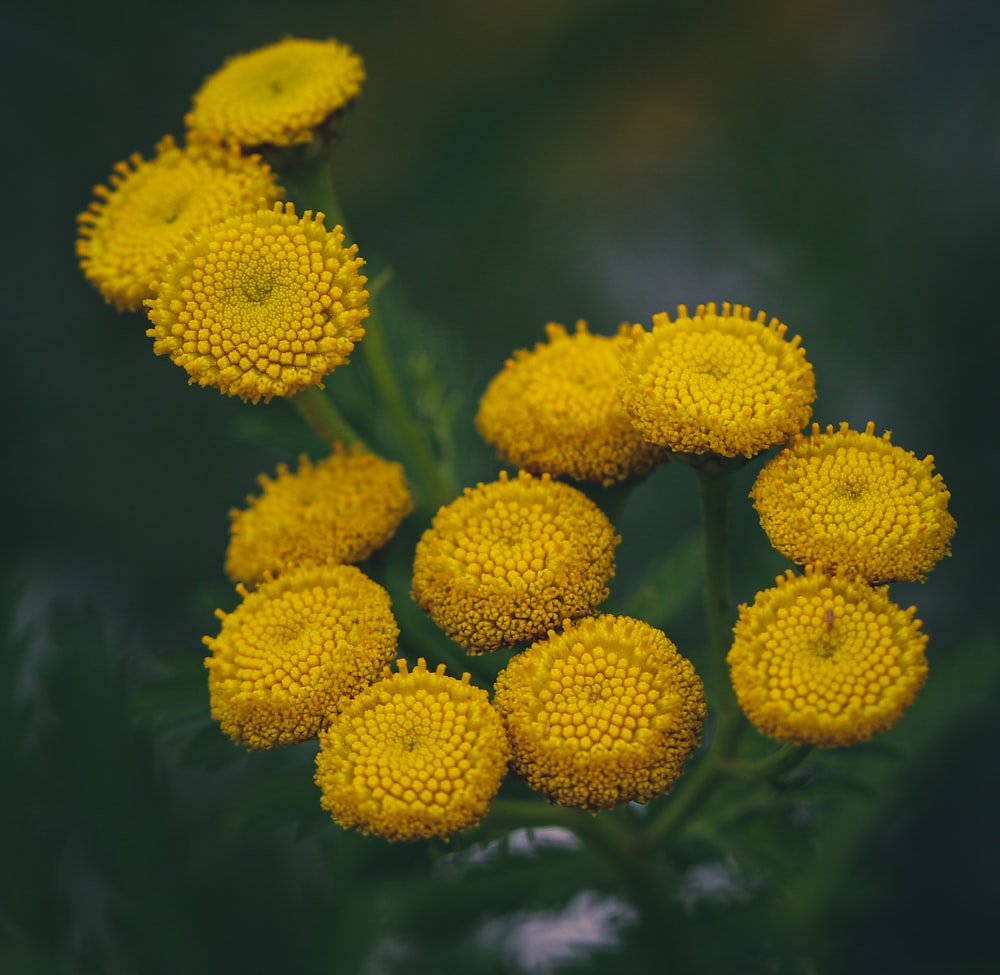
722 384
853 501
416 755
557 410
339 510
292 653
826 660
278 94
604 713
129 232
262 304
508 560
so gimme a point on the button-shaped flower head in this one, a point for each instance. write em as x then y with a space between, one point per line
340 509
605 712
511 559
826 660
262 304
556 409
852 501
295 650
279 94
130 231
722 384
416 755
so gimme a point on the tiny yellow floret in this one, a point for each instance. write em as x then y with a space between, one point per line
279 94
147 210
295 650
416 755
722 384
262 304
605 712
826 660
511 559
340 509
853 501
556 409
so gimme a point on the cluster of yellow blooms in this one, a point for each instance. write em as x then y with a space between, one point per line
242 292
826 658
595 710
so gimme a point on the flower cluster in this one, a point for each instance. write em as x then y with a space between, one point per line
294 649
592 710
508 560
340 509
852 501
277 95
263 304
242 292
556 410
605 712
825 658
419 754
130 232
724 384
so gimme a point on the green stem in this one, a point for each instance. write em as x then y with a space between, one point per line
327 422
715 486
312 182
679 809
773 766
411 434
528 813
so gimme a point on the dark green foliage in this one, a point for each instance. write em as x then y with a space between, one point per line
511 164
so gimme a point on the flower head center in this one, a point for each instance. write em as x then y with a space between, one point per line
257 291
853 488
824 648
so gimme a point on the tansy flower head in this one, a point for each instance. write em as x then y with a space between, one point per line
604 713
279 94
128 233
721 384
853 501
826 660
295 650
508 560
416 755
557 410
262 304
338 510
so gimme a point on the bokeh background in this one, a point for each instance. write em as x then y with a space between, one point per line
835 163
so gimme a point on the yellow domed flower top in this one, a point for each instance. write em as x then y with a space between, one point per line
723 384
508 560
279 94
605 712
826 660
262 304
556 409
129 232
851 500
418 754
295 650
340 509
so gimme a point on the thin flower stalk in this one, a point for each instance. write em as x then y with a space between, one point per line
323 417
715 487
313 179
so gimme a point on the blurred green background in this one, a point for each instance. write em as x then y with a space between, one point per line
835 163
